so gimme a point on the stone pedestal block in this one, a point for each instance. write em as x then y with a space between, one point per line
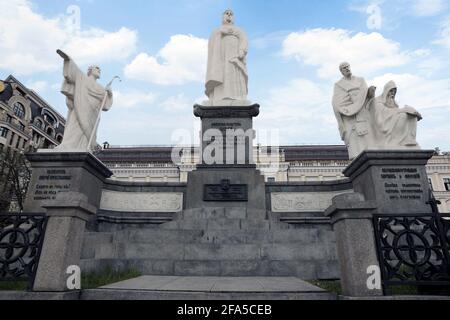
396 180
227 176
351 217
62 244
57 173
68 188
229 131
227 187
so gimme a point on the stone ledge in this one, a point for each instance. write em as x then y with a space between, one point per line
71 159
387 158
24 295
395 298
226 112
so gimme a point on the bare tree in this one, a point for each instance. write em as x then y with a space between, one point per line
15 175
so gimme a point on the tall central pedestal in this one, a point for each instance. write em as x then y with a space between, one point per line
227 176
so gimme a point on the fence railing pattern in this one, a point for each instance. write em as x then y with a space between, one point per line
21 239
413 249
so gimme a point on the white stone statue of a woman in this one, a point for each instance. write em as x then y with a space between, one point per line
395 127
227 77
85 99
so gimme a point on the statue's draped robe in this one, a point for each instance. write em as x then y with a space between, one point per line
227 77
84 97
352 110
395 128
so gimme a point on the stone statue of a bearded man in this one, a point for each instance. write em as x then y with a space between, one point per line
85 98
395 127
352 102
227 77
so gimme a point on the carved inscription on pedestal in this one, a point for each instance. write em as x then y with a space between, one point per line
52 183
402 183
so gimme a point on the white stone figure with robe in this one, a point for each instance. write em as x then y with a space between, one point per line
352 101
84 98
227 77
395 127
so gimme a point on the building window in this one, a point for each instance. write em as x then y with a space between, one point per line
270 179
430 184
50 131
3 132
447 184
38 123
22 127
49 118
19 110
8 118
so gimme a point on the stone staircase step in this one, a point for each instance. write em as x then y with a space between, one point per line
209 288
305 269
223 224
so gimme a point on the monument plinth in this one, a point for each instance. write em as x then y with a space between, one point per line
227 175
68 188
56 173
397 180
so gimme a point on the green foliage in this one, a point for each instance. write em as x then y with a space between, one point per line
107 276
333 286
13 286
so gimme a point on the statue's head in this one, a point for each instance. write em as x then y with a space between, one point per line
228 17
345 69
389 93
390 89
95 72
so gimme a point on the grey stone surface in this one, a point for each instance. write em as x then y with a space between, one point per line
39 296
356 249
218 246
80 172
217 284
111 294
61 249
247 176
71 185
382 175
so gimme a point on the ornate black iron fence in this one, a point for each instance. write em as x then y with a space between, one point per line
21 239
413 249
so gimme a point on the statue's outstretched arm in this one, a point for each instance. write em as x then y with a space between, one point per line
63 55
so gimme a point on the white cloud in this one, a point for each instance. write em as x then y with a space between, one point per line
182 60
95 45
133 98
416 91
301 110
177 103
326 48
38 86
426 8
28 41
444 38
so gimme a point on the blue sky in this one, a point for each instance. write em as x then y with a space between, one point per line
159 50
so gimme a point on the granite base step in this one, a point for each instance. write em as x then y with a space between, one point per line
216 242
209 288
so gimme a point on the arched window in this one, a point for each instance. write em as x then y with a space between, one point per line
19 110
3 132
50 131
59 138
38 123
49 118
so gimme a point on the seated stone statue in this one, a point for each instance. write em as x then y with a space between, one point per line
395 127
